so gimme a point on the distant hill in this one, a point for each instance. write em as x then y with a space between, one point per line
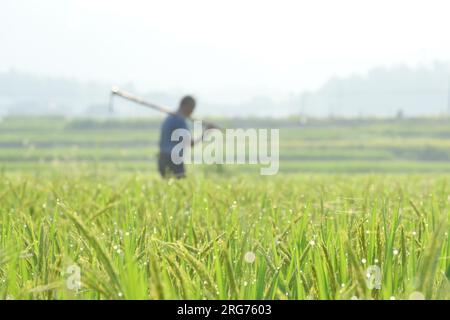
25 94
22 93
384 91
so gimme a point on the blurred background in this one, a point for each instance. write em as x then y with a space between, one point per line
354 86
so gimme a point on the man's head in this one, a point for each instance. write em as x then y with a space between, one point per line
187 106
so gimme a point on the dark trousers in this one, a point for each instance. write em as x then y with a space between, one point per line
167 168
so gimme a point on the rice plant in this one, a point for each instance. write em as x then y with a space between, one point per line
300 236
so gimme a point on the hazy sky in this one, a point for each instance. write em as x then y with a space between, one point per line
228 50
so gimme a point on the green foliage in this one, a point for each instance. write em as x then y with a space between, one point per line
339 145
140 237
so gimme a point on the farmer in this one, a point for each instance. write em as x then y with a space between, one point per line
177 120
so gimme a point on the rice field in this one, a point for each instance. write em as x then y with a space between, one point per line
319 146
358 211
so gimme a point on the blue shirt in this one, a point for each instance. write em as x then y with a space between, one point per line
170 124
